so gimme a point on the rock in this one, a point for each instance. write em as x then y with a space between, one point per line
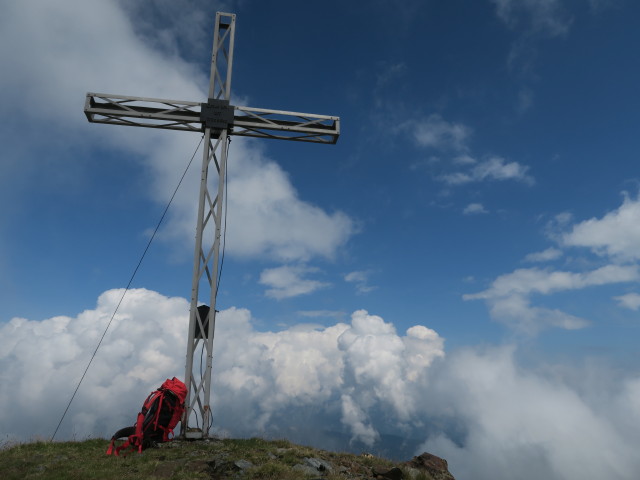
314 466
319 464
305 469
393 474
243 464
228 469
435 466
413 472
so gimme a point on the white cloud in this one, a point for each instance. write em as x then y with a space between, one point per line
73 47
474 209
464 160
545 17
357 420
478 408
456 178
534 280
509 295
435 132
317 368
556 227
47 359
544 256
266 216
616 234
361 280
366 361
495 168
516 420
629 300
615 237
390 75
80 46
287 281
532 20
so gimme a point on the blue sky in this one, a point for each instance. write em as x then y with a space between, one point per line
484 186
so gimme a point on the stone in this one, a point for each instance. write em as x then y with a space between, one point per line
319 464
393 474
413 472
305 469
243 464
435 466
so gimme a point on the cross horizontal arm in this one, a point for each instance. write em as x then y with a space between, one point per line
181 115
143 112
279 124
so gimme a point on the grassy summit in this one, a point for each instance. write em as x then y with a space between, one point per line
213 459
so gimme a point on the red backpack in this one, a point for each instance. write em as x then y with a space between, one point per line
161 412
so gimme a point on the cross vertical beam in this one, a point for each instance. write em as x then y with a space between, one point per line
206 255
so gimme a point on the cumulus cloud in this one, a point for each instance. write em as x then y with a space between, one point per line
629 300
348 371
494 168
287 281
464 160
361 280
519 423
267 217
509 297
80 47
547 255
474 209
435 132
616 234
497 168
44 360
535 280
478 408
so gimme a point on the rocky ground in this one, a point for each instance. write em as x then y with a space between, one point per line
280 459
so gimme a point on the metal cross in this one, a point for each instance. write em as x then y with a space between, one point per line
218 119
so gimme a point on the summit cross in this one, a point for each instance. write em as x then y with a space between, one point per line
218 120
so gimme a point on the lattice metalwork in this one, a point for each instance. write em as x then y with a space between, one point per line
217 119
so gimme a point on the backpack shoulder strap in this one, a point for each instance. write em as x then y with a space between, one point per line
122 433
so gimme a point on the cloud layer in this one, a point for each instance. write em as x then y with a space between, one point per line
362 381
347 368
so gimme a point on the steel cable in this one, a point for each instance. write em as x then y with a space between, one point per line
127 287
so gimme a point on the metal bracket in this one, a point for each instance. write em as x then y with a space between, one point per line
217 114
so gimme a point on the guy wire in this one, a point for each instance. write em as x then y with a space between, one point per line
126 289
